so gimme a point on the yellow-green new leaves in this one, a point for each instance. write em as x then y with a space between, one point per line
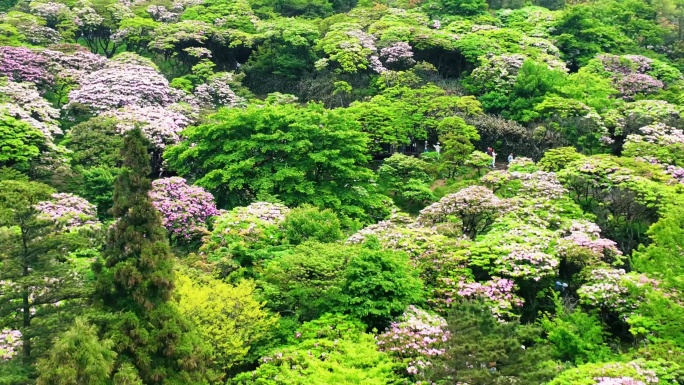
228 317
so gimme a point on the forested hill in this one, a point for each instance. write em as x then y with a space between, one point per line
317 192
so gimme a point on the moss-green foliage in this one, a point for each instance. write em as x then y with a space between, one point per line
78 355
305 155
331 350
305 282
19 143
309 223
226 316
379 285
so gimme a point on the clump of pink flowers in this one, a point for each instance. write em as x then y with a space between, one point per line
10 342
499 293
618 381
416 336
184 208
70 211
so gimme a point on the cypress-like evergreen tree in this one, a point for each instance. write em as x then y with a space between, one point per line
135 285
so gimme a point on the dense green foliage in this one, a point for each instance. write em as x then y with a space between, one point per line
342 192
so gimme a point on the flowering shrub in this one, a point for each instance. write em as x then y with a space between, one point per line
610 373
161 125
184 209
496 73
121 85
23 65
539 184
633 84
499 293
416 336
676 172
605 289
618 381
22 101
216 92
583 243
10 342
398 53
476 207
526 262
241 236
70 211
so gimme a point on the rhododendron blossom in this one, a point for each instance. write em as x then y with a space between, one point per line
161 125
120 85
416 335
23 65
24 102
184 208
499 293
70 211
10 343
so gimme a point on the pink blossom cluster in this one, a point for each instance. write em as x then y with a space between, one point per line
24 102
618 381
633 84
527 262
540 184
70 211
604 289
40 35
473 201
416 335
676 172
160 13
87 17
587 236
373 230
273 213
630 75
184 208
658 133
74 65
161 125
399 52
216 92
498 292
10 342
497 72
49 11
120 85
625 65
23 65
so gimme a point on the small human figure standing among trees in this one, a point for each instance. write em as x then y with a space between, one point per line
493 158
510 157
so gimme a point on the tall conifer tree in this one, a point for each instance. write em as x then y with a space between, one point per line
136 283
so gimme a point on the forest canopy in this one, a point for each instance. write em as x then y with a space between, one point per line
309 192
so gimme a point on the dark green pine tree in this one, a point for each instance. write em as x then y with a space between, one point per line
483 350
134 286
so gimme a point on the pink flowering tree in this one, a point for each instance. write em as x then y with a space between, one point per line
23 101
184 209
415 338
24 65
475 207
217 92
70 212
498 293
161 125
120 85
10 342
582 245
